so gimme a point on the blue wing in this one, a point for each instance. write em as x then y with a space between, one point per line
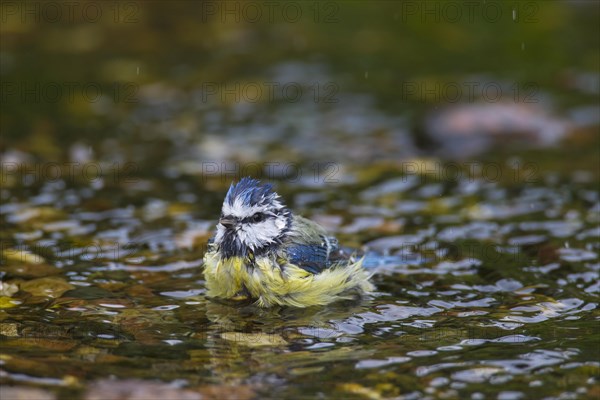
314 258
310 257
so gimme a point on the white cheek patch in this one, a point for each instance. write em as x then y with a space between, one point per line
261 234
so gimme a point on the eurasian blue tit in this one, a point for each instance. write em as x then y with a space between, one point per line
262 251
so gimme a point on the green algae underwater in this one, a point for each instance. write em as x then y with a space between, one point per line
461 148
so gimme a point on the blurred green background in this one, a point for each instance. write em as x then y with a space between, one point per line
158 76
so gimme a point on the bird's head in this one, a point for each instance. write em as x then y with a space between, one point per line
253 219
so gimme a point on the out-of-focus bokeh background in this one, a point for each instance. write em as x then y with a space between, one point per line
462 136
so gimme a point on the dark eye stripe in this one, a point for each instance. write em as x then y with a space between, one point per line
255 218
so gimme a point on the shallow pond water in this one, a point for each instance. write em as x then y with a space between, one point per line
481 288
480 219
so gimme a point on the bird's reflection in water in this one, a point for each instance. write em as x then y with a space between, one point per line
244 342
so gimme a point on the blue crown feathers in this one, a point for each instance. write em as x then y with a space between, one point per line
251 191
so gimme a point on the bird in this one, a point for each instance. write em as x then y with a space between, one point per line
263 252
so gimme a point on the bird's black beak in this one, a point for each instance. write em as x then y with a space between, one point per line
227 222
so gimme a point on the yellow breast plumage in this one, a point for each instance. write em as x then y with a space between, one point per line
271 284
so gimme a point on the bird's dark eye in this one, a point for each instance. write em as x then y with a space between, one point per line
258 217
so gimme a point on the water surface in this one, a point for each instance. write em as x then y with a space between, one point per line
482 217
